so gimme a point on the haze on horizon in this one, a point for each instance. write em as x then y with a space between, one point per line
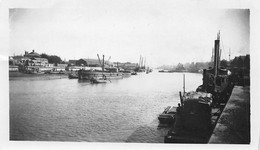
161 34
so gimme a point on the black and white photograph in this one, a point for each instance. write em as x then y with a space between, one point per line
130 73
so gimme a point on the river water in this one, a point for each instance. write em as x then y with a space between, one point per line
124 110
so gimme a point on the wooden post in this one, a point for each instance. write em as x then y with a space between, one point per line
181 98
183 83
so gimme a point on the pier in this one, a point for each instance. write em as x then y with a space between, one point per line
233 126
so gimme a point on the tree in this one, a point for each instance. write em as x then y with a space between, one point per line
54 59
51 58
224 63
180 67
43 55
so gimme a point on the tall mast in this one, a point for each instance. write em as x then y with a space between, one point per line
183 83
229 55
220 51
103 63
140 61
99 60
144 61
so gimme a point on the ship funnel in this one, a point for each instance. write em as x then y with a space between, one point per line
216 54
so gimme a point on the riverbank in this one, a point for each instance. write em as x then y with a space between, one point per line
233 126
24 76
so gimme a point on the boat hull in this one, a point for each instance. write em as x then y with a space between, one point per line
168 115
87 75
73 76
166 119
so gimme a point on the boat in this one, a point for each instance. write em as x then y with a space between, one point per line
97 81
133 73
104 72
126 73
73 75
216 80
89 74
57 72
168 115
193 122
197 113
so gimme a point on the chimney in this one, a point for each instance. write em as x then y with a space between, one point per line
216 54
33 50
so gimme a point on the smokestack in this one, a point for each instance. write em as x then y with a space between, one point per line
216 54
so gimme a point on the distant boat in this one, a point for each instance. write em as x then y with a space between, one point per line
108 73
163 71
133 73
73 76
96 81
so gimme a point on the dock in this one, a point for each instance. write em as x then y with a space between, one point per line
233 126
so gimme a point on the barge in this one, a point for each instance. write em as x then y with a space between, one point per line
103 72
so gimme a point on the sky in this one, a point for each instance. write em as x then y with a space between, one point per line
161 33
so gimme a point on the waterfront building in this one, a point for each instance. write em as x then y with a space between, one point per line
126 66
32 54
72 62
13 68
92 63
38 62
34 59
28 60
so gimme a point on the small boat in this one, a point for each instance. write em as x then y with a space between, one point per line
56 72
133 73
168 115
96 81
73 76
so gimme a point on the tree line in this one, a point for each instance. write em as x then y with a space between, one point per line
242 62
53 59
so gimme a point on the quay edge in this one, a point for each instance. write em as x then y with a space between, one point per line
233 126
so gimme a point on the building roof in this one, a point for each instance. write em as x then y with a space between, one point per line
17 57
31 54
94 61
72 61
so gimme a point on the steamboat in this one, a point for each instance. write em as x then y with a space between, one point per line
199 110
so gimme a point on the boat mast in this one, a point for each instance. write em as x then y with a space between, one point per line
229 55
183 84
220 51
140 61
99 60
144 62
103 63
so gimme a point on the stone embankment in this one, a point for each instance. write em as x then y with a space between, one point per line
233 126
